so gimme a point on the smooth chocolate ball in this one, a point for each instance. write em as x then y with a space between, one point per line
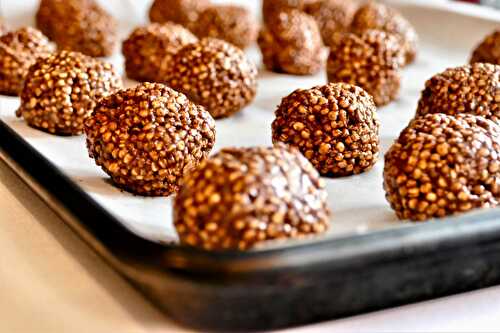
371 61
488 50
242 197
61 91
335 126
472 89
183 12
19 49
234 24
145 138
78 25
214 74
376 16
149 50
442 165
292 44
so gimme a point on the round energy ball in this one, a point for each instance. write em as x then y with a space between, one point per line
148 51
18 51
377 16
214 74
233 24
370 61
62 89
335 126
442 165
332 16
489 50
241 197
183 12
473 89
292 44
78 25
145 138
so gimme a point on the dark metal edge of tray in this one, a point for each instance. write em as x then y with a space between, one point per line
280 287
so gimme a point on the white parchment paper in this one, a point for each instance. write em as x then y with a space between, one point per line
357 202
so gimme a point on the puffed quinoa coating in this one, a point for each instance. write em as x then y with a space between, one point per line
335 126
442 165
242 197
61 91
149 50
488 50
145 138
214 74
19 50
371 61
473 89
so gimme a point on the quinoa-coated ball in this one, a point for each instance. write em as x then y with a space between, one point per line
242 197
335 126
370 61
145 138
18 51
473 89
489 50
148 51
234 24
214 74
377 16
62 89
78 25
442 165
292 44
332 16
183 12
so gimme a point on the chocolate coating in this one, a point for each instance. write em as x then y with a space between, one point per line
473 89
18 51
78 25
332 16
145 138
62 89
335 126
241 197
292 44
183 12
377 16
148 51
233 24
442 165
488 50
215 74
370 61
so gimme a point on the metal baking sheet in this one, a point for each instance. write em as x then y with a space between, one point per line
357 202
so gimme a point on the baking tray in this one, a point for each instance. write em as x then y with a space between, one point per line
367 261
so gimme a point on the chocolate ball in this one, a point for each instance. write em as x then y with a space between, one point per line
489 50
183 12
145 138
332 16
335 126
18 51
292 44
242 197
215 74
370 61
442 165
233 24
473 89
148 51
78 25
381 17
62 89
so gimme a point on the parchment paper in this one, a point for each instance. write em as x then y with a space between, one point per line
357 202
